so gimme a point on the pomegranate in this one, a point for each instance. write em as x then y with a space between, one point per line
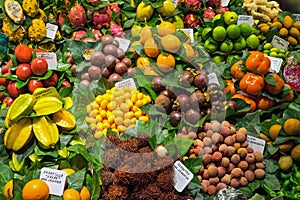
291 73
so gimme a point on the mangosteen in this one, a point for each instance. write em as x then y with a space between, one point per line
169 94
186 79
116 43
192 116
107 39
184 102
94 72
197 99
175 118
110 50
163 101
106 73
201 81
127 62
157 84
97 58
110 61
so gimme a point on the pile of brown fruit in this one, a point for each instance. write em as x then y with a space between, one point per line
181 104
110 62
133 171
227 158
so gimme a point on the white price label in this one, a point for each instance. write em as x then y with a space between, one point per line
47 92
123 43
297 16
55 179
275 64
212 78
224 3
256 143
51 30
183 176
50 57
175 2
189 31
279 43
245 19
126 83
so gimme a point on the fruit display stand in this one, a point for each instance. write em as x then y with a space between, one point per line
142 99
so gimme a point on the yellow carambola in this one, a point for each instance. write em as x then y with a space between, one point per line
47 106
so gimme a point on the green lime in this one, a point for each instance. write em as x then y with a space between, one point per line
218 59
245 29
273 54
210 47
230 17
281 55
266 51
226 46
233 31
206 33
281 51
274 49
265 54
219 33
252 42
268 46
239 44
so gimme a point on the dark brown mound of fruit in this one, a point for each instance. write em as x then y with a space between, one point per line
133 171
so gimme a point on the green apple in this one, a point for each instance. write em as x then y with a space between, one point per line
210 45
219 33
230 17
239 44
226 46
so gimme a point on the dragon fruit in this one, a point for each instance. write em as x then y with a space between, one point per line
208 13
61 18
102 17
222 10
117 30
97 34
93 2
191 20
81 35
115 7
77 16
67 4
214 3
193 4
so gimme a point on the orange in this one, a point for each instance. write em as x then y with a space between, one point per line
23 53
165 63
151 48
35 190
165 28
71 194
8 189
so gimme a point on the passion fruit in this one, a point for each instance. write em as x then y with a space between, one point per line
106 73
175 118
114 77
186 79
121 68
94 72
192 116
110 61
97 58
110 50
183 100
120 53
157 84
163 101
201 81
107 39
127 62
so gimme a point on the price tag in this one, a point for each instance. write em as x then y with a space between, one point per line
256 143
245 19
189 31
279 43
212 78
183 176
224 3
55 179
47 92
275 64
50 58
123 43
297 16
51 30
126 83
175 2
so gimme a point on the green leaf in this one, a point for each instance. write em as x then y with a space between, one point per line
193 164
271 181
94 186
44 152
5 175
129 23
257 197
251 121
271 166
80 149
292 111
194 184
76 180
64 140
270 80
98 149
183 145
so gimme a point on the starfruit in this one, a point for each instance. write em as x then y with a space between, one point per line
68 102
34 157
21 106
18 134
14 11
64 119
47 106
45 131
15 165
64 152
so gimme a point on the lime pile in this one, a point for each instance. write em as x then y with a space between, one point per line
269 50
224 35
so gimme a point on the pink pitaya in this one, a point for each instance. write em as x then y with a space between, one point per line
117 30
94 2
115 7
222 10
214 3
102 17
191 20
77 16
68 4
61 18
78 35
97 34
193 4
208 13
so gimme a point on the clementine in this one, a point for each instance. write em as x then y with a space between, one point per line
35 189
85 193
71 194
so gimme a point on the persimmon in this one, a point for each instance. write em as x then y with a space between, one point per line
230 87
252 84
258 62
290 96
275 89
248 100
237 70
264 103
23 53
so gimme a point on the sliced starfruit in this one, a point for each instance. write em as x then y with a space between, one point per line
14 164
21 106
64 119
14 11
47 106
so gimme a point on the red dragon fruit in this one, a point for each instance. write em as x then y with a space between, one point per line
77 16
193 4
191 20
81 35
61 18
94 2
222 10
115 7
117 30
68 4
208 13
214 3
102 17
78 35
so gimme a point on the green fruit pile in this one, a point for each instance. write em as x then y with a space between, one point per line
224 35
269 50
